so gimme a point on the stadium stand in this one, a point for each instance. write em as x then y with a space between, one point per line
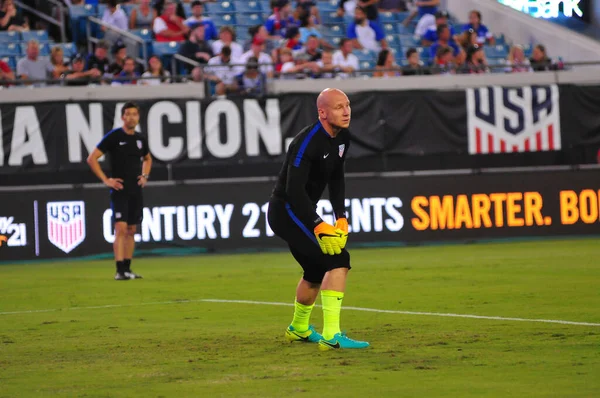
245 17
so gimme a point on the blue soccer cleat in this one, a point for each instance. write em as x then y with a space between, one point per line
309 336
340 340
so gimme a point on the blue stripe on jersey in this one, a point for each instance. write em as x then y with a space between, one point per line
305 144
299 223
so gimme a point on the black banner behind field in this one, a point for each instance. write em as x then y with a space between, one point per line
54 139
57 223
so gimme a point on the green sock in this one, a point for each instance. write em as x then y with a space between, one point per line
301 316
332 306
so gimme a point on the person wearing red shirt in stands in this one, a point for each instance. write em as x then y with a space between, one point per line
6 74
169 26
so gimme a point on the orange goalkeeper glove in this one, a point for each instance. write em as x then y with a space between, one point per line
342 223
331 240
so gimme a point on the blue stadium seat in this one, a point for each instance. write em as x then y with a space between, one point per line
10 49
39 35
408 41
331 18
387 17
223 19
424 53
365 55
528 50
249 19
246 6
401 16
9 37
223 7
333 31
145 34
498 51
78 16
389 28
100 10
500 39
128 7
187 9
335 41
165 50
327 6
393 40
266 6
11 61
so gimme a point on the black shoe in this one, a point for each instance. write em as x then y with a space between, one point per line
121 276
131 275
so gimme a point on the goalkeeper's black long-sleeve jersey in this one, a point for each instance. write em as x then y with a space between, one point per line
314 160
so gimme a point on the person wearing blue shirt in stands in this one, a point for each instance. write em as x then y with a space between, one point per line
431 36
444 40
427 7
365 33
281 19
483 33
210 31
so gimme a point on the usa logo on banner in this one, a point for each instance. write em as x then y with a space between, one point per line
523 119
66 224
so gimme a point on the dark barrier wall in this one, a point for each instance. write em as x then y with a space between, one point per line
241 137
59 223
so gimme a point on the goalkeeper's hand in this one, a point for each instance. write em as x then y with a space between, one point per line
331 240
342 223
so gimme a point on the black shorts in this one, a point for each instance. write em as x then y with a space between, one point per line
127 206
302 243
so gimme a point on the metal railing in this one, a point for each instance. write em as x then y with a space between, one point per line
47 18
127 36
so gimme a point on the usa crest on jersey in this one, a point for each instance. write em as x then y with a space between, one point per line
66 224
341 149
139 144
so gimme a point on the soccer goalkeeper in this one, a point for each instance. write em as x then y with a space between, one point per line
315 159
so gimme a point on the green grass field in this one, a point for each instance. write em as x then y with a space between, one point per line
156 337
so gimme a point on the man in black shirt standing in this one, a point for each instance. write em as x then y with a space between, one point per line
315 159
126 148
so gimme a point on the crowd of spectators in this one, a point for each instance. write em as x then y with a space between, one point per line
289 45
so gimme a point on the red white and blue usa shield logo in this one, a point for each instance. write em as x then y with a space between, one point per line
66 224
513 119
341 149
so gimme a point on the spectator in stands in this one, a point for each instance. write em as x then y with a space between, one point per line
348 7
169 26
483 34
310 8
468 38
6 74
292 39
57 58
142 16
443 62
256 50
99 60
280 20
119 52
251 82
210 32
344 58
222 72
308 28
156 71
423 9
517 61
197 75
195 47
365 33
444 40
431 36
34 68
539 59
415 65
476 62
298 68
227 38
260 32
76 76
113 16
159 6
386 65
327 69
311 48
10 20
128 74
392 6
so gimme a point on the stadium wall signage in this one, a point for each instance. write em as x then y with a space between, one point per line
225 216
57 137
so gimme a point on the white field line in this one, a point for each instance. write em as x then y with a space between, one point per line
273 303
